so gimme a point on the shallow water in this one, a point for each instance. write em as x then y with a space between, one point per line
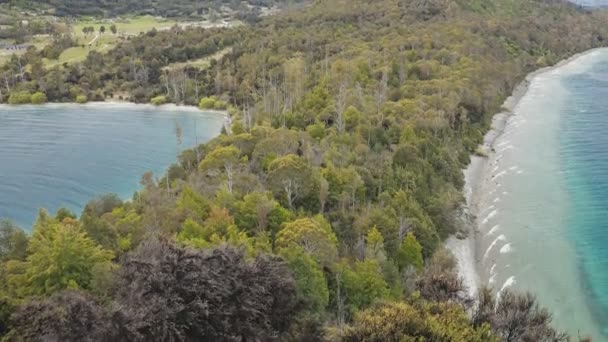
544 222
63 155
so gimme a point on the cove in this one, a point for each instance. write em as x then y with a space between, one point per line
543 220
63 155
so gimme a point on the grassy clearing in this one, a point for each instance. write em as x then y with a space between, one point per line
79 53
200 63
127 26
130 26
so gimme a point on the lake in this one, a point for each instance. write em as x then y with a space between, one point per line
60 155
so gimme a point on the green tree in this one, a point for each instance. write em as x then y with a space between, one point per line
102 29
374 248
60 256
218 229
13 242
225 159
311 284
289 177
259 212
313 235
410 253
113 29
364 284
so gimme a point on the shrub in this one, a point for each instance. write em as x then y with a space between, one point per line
39 98
220 105
22 97
207 102
159 100
65 316
81 99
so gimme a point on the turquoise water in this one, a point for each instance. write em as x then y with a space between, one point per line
63 155
544 212
584 154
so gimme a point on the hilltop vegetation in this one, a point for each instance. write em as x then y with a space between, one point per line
341 177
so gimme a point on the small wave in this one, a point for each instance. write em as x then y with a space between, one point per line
513 168
519 172
506 142
492 230
490 215
508 283
506 249
496 200
489 208
500 174
501 237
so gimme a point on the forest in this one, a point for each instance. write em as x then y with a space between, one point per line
320 214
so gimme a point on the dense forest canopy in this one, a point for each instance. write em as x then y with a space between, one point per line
321 212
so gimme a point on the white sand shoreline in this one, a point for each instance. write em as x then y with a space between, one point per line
466 250
124 104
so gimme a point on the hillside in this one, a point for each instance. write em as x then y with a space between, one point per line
339 180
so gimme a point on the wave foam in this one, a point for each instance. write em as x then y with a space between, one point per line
501 237
506 248
489 217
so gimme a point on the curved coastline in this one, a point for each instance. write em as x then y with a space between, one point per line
76 128
478 182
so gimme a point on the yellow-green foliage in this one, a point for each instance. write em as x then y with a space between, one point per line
364 284
60 256
212 103
39 98
81 99
314 235
159 100
207 103
415 322
410 253
22 97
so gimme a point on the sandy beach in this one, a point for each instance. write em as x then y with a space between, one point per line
478 180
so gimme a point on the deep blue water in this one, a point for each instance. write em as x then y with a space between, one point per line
63 155
584 157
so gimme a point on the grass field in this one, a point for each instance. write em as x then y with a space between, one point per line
127 26
104 42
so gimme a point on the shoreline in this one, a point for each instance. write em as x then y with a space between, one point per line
466 250
114 103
